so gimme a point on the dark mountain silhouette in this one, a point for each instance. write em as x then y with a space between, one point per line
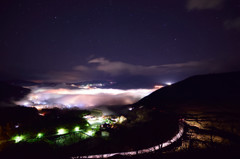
21 83
215 89
9 93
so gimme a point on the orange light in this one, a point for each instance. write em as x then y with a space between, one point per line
158 86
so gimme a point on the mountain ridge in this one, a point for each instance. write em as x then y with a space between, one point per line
215 89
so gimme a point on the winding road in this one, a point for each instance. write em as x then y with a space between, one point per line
147 150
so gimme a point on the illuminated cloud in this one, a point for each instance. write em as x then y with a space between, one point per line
82 98
204 4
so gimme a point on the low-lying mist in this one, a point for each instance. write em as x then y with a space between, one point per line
82 98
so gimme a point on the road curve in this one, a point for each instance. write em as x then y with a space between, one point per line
147 150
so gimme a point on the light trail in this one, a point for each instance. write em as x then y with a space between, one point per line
137 152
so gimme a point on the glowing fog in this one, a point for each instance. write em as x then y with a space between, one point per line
81 98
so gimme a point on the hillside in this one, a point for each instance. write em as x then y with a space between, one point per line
8 92
214 89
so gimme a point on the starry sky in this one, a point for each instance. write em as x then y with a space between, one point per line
128 41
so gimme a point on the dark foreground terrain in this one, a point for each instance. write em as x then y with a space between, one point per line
20 126
208 104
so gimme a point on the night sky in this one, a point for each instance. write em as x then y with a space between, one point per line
128 41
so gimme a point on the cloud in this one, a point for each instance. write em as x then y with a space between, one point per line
102 69
182 67
100 60
232 24
82 98
204 4
116 68
81 68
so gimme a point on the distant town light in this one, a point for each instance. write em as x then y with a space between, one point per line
168 83
26 103
158 86
42 114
